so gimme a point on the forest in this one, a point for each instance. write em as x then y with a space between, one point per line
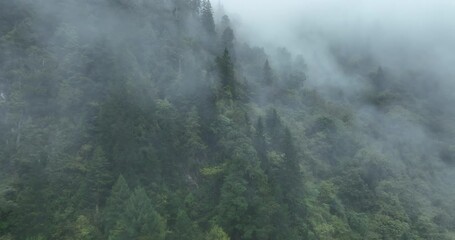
156 120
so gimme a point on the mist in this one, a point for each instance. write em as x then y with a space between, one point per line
235 119
343 42
399 35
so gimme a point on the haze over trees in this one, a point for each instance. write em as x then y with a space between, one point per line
150 119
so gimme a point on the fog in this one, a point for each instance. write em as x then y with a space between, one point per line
333 112
343 41
398 35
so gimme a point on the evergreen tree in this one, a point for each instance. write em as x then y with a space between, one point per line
291 163
139 220
184 228
227 42
225 22
244 192
84 229
226 73
234 204
207 17
268 74
292 183
99 177
193 144
216 233
378 79
33 216
274 127
227 39
116 203
261 145
120 231
195 5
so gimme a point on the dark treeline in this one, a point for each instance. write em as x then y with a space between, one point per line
148 120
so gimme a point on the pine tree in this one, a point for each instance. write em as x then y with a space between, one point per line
119 232
291 163
139 220
244 198
116 202
84 229
193 144
99 177
184 228
234 204
274 127
261 145
292 183
378 79
33 215
207 17
226 73
268 74
195 5
216 233
227 39
225 22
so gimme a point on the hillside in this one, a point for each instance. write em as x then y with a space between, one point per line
150 119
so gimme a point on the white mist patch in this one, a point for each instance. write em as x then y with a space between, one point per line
407 35
412 40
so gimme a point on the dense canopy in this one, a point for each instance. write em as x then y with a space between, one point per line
150 119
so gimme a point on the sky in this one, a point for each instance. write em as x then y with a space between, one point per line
267 17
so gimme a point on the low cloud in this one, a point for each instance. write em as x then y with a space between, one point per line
398 35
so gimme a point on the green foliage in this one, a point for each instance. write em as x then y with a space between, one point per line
116 203
207 17
84 229
99 177
359 222
185 229
227 39
226 74
389 228
139 220
215 150
268 74
212 171
193 145
216 233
